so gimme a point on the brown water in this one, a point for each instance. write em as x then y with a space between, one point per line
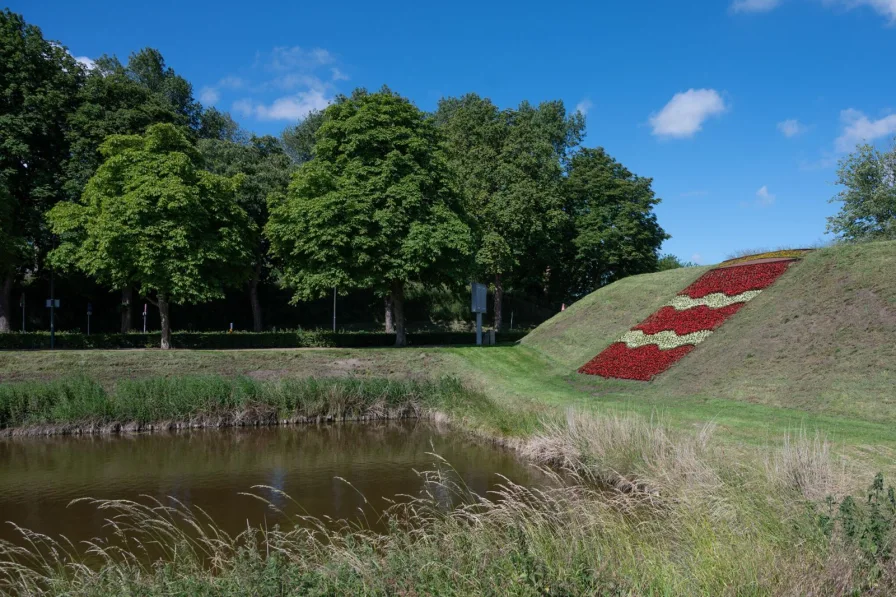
209 469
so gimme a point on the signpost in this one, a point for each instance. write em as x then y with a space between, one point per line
479 294
144 318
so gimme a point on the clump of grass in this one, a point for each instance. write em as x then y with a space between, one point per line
690 520
82 405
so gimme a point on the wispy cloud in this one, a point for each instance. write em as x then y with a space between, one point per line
697 258
764 198
885 8
295 107
283 58
338 75
792 127
584 105
686 112
754 5
86 62
858 128
699 193
209 95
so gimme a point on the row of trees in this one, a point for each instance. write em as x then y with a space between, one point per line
118 173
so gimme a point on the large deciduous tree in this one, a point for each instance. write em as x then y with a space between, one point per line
125 99
868 177
298 140
373 208
38 88
266 170
614 230
508 165
151 217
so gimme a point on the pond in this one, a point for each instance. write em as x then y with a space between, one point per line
39 477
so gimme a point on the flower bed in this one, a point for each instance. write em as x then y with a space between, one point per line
668 335
787 253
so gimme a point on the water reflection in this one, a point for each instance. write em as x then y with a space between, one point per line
209 469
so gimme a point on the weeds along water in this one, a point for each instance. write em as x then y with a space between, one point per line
685 516
81 405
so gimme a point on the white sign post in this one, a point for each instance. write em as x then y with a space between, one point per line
479 306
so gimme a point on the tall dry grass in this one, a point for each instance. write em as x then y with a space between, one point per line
635 508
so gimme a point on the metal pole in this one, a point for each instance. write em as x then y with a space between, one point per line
52 314
511 320
334 309
88 324
479 329
23 311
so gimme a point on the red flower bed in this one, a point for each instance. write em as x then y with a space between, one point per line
640 364
687 321
738 279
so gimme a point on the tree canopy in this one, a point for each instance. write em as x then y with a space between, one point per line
151 216
373 209
869 195
38 84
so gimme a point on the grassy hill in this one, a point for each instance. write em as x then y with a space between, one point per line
821 339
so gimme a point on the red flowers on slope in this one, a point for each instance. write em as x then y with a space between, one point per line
737 279
640 364
644 362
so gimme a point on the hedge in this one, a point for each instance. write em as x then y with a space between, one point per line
235 340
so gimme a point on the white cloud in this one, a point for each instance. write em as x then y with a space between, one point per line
763 197
284 58
697 258
886 8
858 128
209 95
686 112
338 75
584 105
86 62
232 82
754 5
294 107
792 127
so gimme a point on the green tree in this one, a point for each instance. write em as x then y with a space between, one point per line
667 262
869 196
38 89
508 166
125 99
266 170
614 229
373 209
298 140
151 217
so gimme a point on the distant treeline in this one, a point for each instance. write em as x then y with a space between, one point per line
121 188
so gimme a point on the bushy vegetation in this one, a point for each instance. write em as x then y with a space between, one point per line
81 404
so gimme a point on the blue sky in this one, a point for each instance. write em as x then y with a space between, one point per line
738 110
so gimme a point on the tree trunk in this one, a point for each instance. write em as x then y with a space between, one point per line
166 321
253 299
5 305
390 325
398 312
499 302
127 309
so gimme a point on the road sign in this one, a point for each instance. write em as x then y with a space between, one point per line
89 309
50 303
479 293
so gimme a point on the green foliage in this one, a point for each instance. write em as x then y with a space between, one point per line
240 340
373 209
38 84
667 262
615 232
298 140
151 217
869 197
508 166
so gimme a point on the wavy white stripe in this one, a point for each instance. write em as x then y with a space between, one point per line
665 340
715 300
